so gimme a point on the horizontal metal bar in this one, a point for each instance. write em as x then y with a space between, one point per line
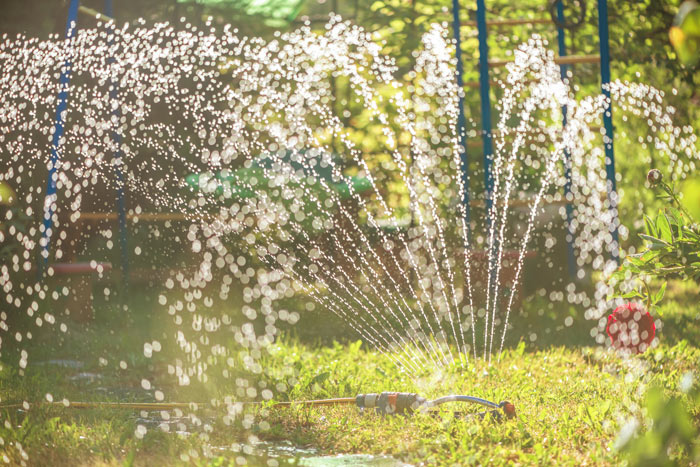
512 22
522 203
475 141
316 19
498 133
146 217
494 22
475 84
494 83
567 60
94 14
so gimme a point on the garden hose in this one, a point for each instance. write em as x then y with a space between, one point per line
384 403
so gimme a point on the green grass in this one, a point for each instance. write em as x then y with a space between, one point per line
572 400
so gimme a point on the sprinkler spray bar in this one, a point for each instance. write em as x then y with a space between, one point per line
385 403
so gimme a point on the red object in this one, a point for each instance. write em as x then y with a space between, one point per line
631 327
509 409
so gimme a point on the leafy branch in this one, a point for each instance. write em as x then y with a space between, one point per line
671 249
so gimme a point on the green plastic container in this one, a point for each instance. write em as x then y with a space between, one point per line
246 183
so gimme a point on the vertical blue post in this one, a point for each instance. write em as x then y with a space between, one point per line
116 136
461 121
485 101
484 89
571 258
61 107
607 123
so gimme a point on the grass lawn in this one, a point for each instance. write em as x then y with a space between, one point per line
572 400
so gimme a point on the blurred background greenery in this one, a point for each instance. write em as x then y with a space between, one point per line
641 51
639 40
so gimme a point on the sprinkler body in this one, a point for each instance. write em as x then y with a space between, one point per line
404 403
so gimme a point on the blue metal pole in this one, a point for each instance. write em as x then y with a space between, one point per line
61 107
488 145
486 126
461 121
116 136
604 38
485 101
571 257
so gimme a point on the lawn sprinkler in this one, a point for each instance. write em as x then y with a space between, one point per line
384 403
397 403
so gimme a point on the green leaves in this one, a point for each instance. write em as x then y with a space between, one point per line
650 227
664 227
319 378
685 34
671 429
660 294
672 248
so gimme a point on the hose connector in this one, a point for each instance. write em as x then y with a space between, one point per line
398 403
508 409
390 403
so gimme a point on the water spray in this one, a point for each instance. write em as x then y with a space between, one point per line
384 403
